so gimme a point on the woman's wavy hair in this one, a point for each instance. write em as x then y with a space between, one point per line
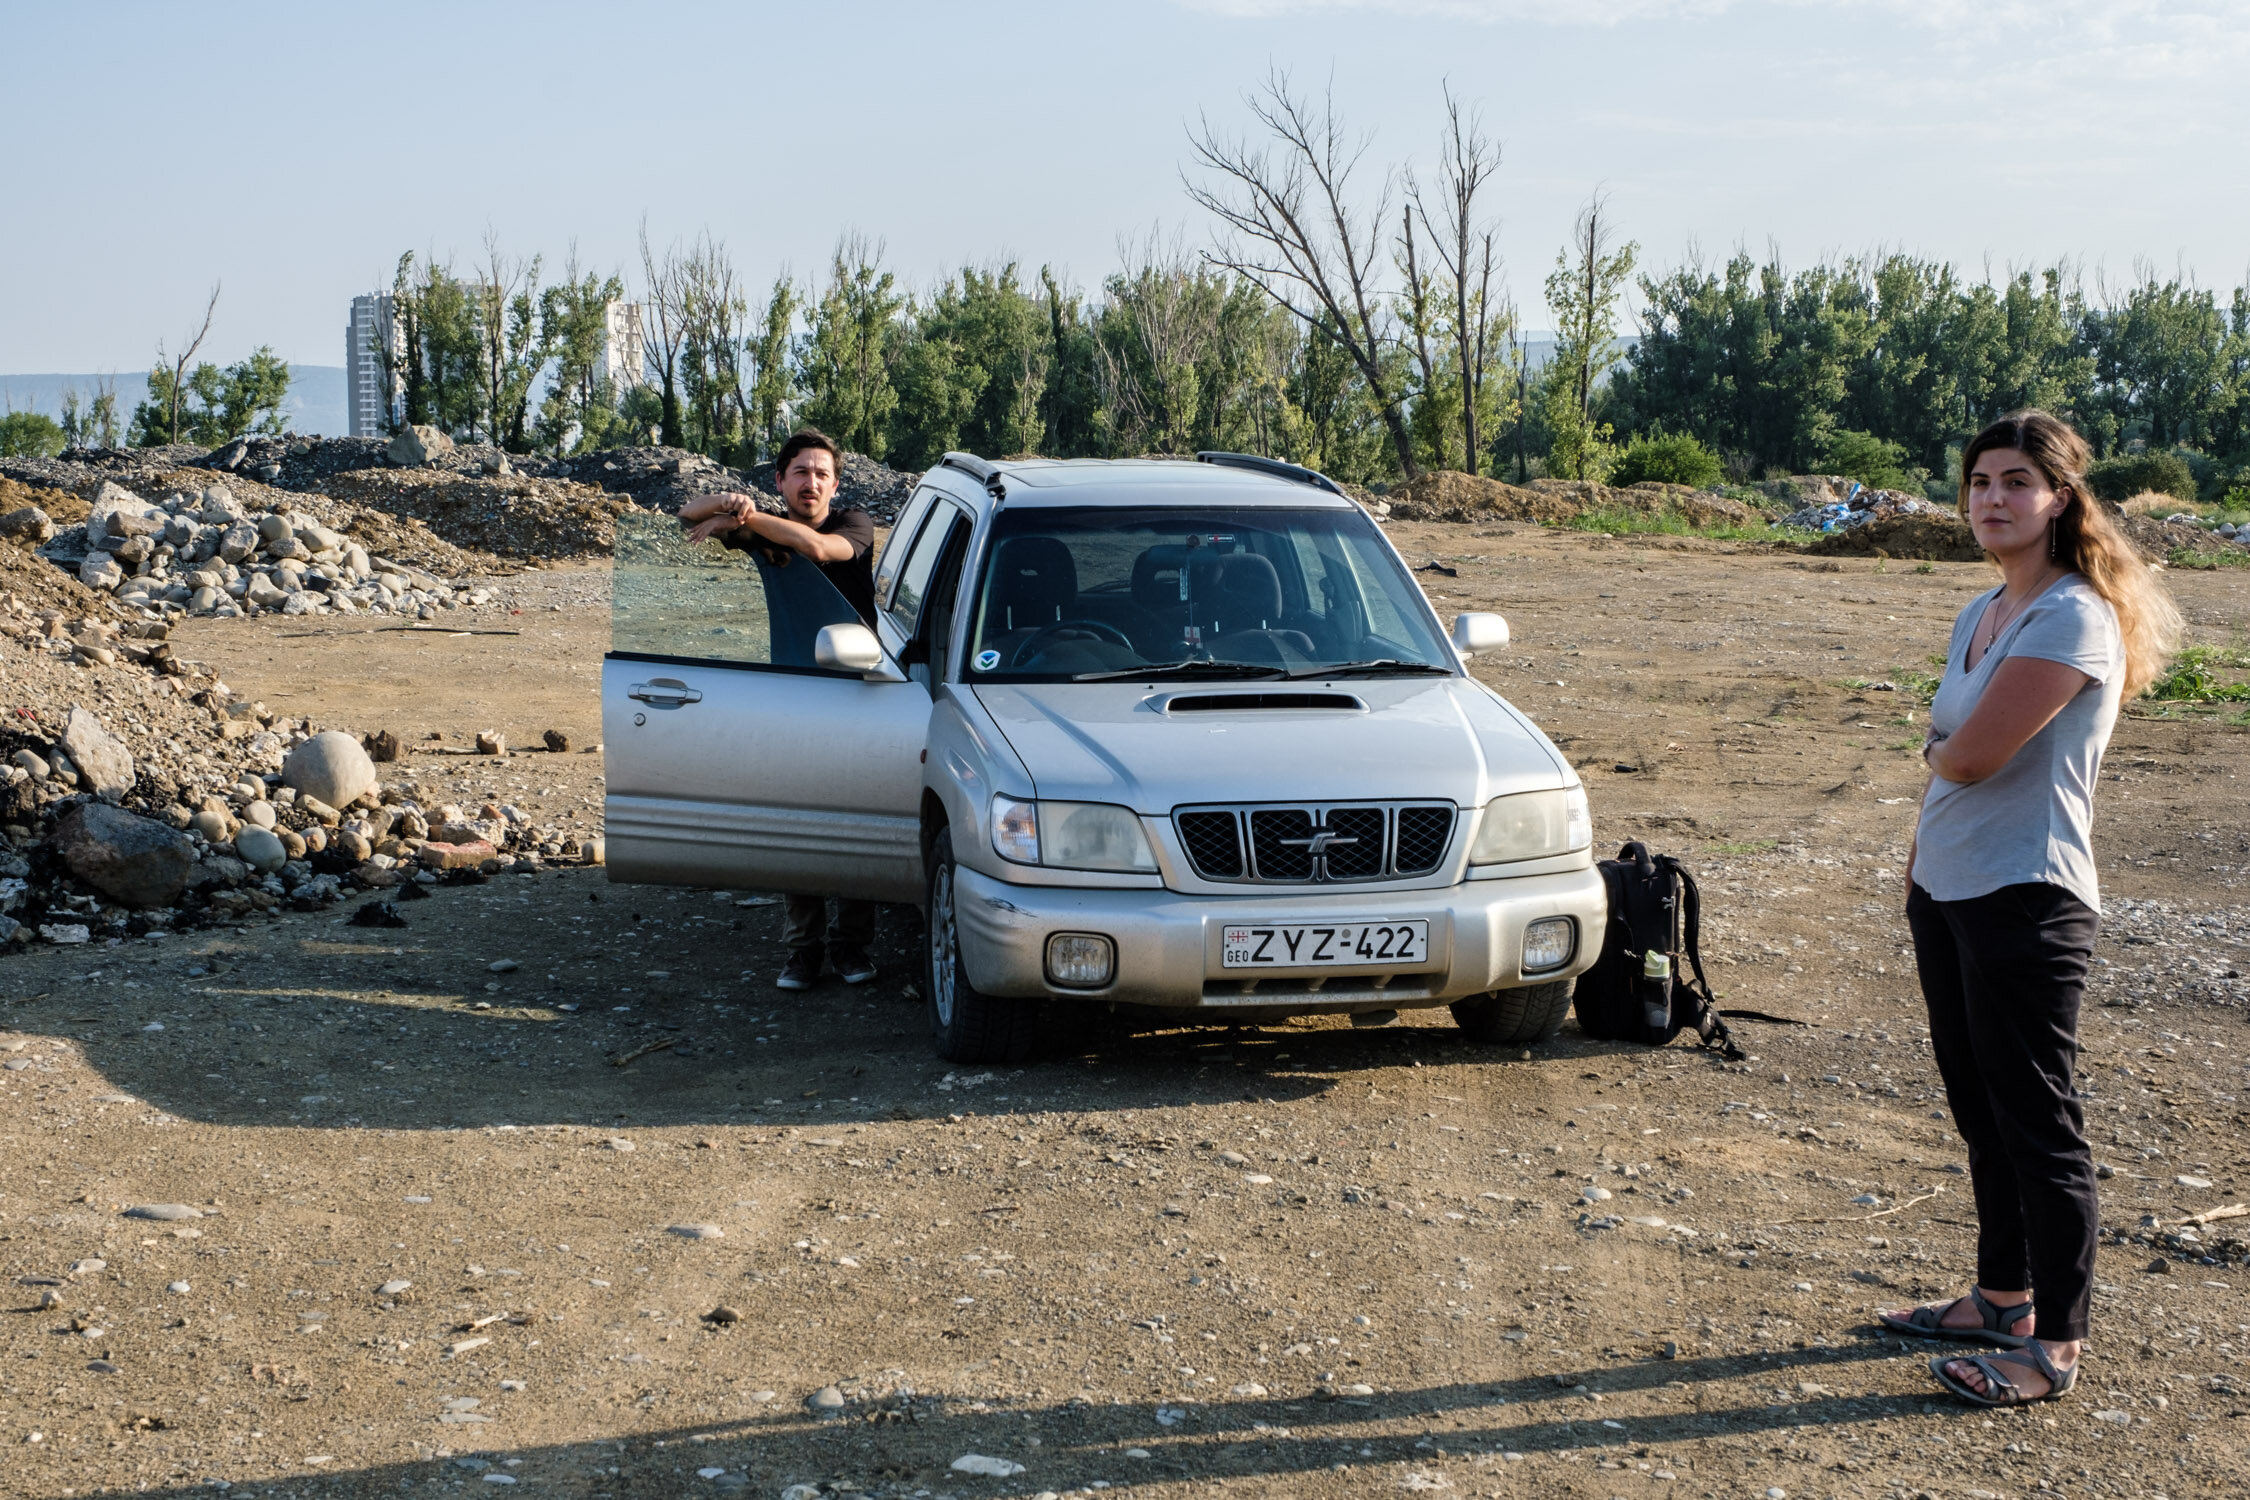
2087 540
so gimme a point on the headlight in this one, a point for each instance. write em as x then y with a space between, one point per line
1071 835
1533 825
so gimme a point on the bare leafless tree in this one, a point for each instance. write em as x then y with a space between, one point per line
1289 225
664 332
180 365
1463 244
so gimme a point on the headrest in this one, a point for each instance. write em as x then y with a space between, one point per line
1249 593
1034 580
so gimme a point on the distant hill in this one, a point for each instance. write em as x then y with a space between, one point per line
315 404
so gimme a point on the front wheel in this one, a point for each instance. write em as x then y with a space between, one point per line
1515 1017
965 1025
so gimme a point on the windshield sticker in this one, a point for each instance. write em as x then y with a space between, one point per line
987 660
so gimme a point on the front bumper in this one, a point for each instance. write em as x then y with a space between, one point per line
1168 944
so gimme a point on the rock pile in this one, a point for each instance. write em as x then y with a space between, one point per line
512 516
226 812
139 792
208 553
1444 495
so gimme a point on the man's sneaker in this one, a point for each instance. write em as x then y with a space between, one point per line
801 972
852 965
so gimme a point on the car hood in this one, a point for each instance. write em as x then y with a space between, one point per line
1412 738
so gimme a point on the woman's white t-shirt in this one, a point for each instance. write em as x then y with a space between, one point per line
2031 820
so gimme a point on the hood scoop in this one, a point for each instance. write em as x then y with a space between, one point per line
1220 703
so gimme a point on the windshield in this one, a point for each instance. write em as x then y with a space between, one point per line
1077 593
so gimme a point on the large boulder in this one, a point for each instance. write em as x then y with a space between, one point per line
112 498
101 758
261 849
131 859
417 445
330 766
29 525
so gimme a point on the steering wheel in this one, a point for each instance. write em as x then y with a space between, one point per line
1036 642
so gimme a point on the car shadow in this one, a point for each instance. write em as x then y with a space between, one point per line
563 1000
887 1439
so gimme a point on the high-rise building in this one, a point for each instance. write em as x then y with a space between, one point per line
622 347
370 399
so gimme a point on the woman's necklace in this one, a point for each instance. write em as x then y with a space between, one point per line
1995 621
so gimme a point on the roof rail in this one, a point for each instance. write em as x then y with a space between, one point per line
983 471
1274 466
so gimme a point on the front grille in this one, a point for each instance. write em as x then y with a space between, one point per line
1281 842
1213 840
1423 833
1313 845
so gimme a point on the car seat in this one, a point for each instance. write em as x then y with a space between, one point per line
1240 597
1034 584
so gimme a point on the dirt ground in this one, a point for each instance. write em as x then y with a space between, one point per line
625 1221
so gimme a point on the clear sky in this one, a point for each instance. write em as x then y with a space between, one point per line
291 151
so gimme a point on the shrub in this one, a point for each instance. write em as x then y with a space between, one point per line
27 434
1668 458
2128 474
1873 461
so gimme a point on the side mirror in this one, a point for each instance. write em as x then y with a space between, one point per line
852 648
1479 632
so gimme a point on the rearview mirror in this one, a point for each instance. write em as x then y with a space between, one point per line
1479 632
851 648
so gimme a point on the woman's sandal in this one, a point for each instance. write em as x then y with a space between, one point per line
1999 1390
1928 1322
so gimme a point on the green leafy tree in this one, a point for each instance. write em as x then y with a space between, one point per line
773 383
214 405
1878 463
29 434
1667 458
90 422
846 358
579 412
1583 293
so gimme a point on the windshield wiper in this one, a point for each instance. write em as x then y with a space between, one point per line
1382 666
1183 669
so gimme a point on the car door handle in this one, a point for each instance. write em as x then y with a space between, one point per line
664 694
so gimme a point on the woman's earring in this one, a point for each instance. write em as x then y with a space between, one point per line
2054 540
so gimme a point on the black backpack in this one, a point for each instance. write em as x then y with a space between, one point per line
1637 990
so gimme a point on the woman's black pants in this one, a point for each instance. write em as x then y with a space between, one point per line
2003 974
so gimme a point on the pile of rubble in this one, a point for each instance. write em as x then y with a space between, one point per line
1848 503
208 553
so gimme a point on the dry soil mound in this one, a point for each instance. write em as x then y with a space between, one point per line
1446 495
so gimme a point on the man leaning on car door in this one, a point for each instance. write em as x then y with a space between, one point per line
841 543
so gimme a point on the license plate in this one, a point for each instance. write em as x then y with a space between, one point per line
1321 945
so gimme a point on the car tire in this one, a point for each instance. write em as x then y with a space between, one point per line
966 1026
1516 1017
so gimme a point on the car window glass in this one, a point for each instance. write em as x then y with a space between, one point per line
914 577
1064 592
707 602
896 544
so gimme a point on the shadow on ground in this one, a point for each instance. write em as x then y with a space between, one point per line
891 1441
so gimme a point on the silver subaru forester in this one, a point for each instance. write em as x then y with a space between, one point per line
1174 735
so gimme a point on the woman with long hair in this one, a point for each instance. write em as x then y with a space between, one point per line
2004 902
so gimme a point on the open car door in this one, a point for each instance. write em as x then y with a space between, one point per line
733 758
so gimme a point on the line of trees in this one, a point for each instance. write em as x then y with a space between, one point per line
1344 314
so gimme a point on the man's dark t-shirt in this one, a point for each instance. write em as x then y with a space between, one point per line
854 577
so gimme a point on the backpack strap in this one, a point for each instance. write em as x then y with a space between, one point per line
1711 1032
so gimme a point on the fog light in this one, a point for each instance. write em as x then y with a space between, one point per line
1547 943
1080 960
